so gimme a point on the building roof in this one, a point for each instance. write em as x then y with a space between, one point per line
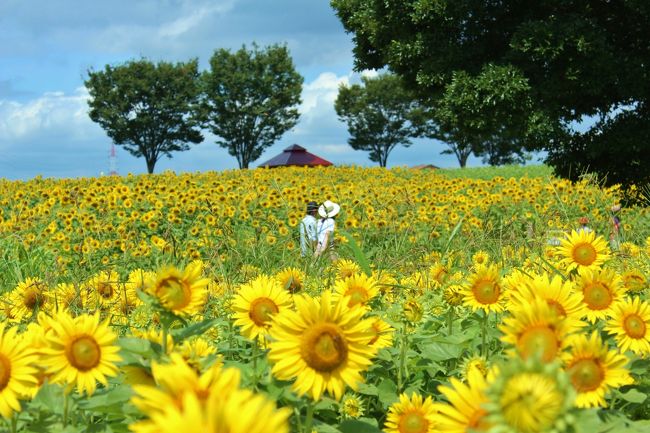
425 166
295 155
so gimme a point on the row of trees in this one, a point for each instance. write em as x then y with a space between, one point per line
504 78
248 99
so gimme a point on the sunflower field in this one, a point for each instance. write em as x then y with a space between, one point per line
181 303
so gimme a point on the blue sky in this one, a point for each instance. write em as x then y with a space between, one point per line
47 47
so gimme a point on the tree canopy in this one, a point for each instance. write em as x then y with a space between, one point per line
250 99
579 59
147 108
379 113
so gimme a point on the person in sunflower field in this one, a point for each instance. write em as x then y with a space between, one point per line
325 228
584 221
308 234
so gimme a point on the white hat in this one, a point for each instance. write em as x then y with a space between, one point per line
328 209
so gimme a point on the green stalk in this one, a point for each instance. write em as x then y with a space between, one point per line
484 324
450 321
65 406
310 417
402 359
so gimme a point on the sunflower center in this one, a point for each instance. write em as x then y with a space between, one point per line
357 294
634 326
5 371
174 293
105 290
293 284
584 254
597 296
33 298
586 375
324 347
486 291
556 308
261 310
83 353
538 339
413 422
530 402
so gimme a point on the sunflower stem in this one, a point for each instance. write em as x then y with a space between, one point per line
450 321
164 339
310 417
484 324
14 423
402 358
255 350
66 400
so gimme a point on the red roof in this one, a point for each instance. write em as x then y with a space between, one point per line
295 155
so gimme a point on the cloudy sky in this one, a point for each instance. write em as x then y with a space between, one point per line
47 47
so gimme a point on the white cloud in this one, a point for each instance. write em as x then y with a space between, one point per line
54 113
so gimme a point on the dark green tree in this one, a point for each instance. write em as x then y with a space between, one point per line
580 59
380 114
250 99
474 115
147 108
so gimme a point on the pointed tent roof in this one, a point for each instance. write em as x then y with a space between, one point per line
295 155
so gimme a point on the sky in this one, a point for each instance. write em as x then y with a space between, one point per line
47 48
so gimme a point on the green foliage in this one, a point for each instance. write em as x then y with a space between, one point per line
250 99
380 114
567 60
147 108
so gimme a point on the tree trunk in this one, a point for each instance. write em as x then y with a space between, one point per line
151 163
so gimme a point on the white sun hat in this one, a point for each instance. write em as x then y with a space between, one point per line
328 209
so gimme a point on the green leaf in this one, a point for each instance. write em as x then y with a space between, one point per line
387 392
359 256
368 389
195 329
634 396
441 351
358 426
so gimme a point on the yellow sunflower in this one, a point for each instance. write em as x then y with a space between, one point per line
382 334
536 329
594 370
411 415
480 258
529 397
484 290
560 295
583 250
81 351
323 345
174 380
182 293
71 298
346 268
359 288
18 376
256 303
240 411
464 412
634 281
28 298
291 279
104 287
630 325
601 290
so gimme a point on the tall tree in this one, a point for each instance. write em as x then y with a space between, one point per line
250 99
147 108
580 58
475 115
380 114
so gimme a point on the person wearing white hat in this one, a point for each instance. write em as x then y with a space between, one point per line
325 227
